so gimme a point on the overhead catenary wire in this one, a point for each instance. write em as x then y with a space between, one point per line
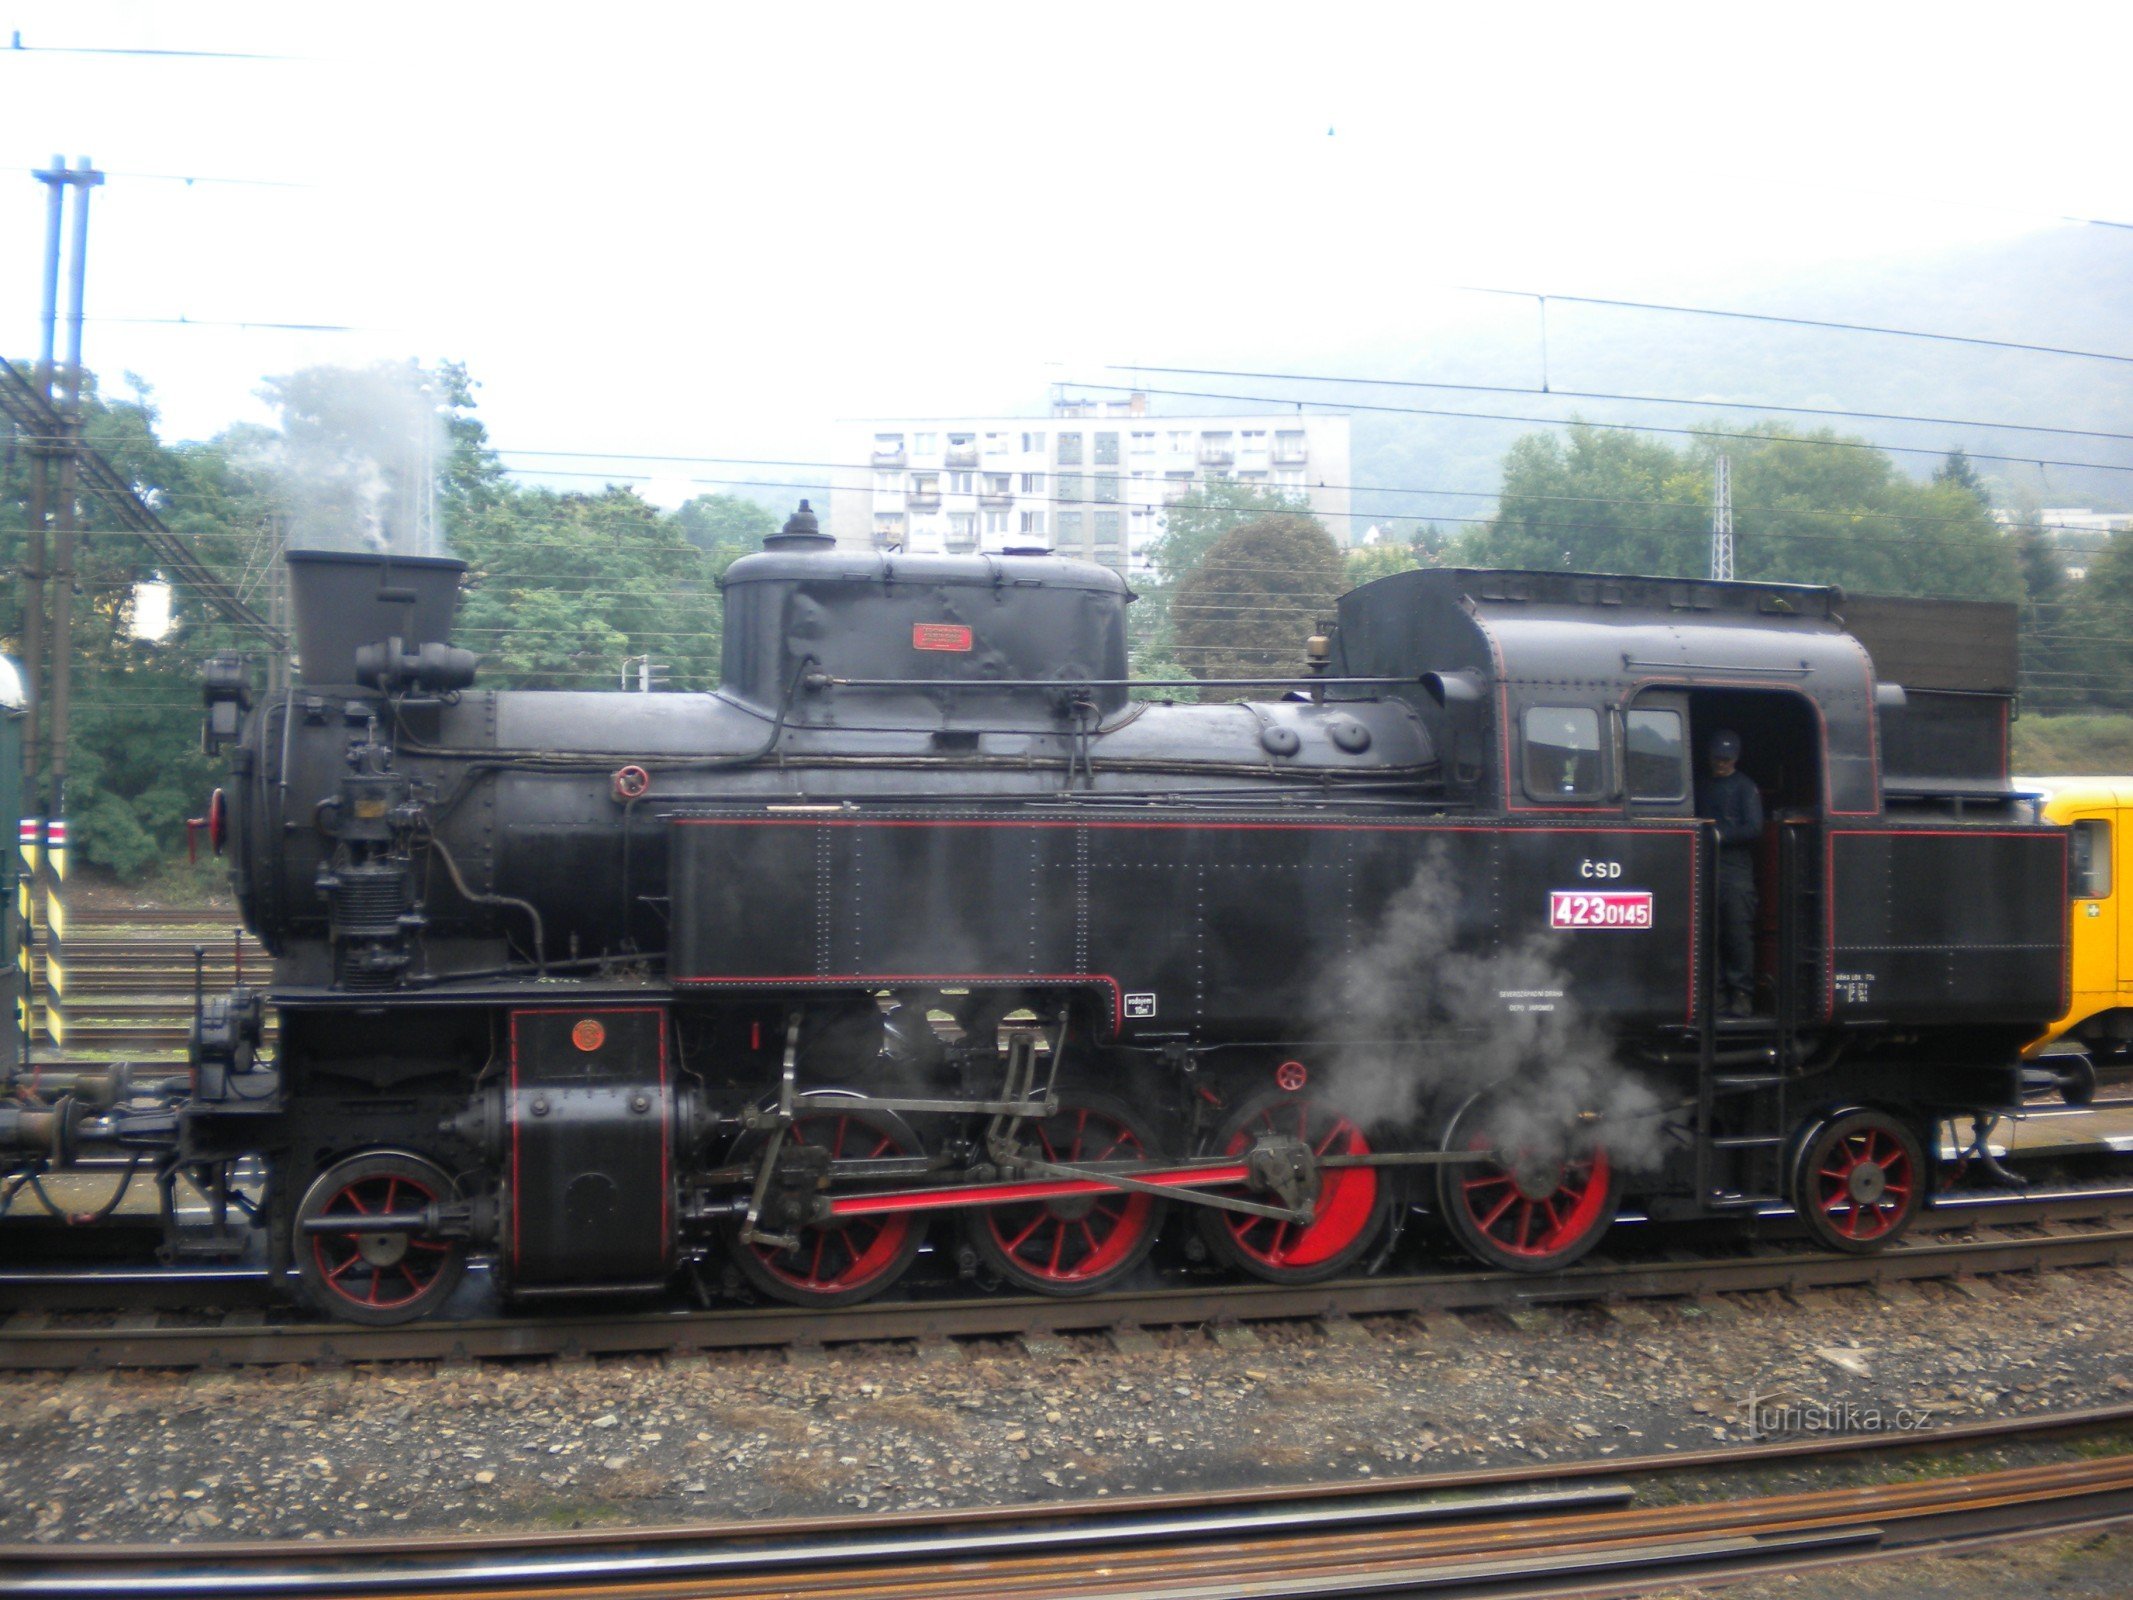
1558 393
1612 427
1825 323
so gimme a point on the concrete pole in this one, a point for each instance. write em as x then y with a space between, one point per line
54 178
83 178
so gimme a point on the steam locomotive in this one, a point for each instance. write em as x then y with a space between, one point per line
923 926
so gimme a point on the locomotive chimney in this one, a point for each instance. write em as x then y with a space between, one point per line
802 531
340 602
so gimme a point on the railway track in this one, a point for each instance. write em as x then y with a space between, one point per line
2028 1234
1570 1528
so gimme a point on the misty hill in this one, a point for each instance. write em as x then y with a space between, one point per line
2070 286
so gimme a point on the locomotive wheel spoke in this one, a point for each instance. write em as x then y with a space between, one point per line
1072 1244
1518 1210
1858 1182
1349 1207
377 1278
849 1259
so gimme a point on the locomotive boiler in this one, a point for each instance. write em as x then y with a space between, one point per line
931 925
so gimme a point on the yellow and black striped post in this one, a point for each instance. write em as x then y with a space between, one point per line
32 842
55 932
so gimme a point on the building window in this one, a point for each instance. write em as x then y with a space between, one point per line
1107 527
925 443
925 485
1180 441
996 444
999 483
1289 478
889 529
960 482
1033 483
1033 522
1176 486
889 444
1143 444
1289 447
888 483
1033 444
1216 449
1107 449
1107 487
1073 486
1070 449
1069 529
962 449
996 522
962 532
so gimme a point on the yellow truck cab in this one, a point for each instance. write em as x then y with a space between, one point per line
2097 1030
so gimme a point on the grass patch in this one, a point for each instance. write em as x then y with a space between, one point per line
915 1415
783 1426
2088 743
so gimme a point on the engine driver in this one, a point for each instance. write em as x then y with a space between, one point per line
1728 797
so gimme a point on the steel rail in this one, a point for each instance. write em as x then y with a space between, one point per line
1805 1450
1428 1532
36 1347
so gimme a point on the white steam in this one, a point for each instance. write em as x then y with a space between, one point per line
1427 1021
358 458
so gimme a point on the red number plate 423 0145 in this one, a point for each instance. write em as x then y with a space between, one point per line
1591 908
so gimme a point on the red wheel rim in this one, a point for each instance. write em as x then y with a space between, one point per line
848 1254
1075 1240
397 1269
1347 1196
1519 1222
1854 1203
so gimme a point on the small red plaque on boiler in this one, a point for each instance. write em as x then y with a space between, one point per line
939 636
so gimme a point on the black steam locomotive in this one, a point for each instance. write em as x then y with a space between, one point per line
923 926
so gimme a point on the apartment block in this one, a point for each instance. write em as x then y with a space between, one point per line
1090 480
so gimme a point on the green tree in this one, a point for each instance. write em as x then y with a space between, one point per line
1259 591
1821 509
561 588
725 527
2051 663
2095 628
1190 526
1955 471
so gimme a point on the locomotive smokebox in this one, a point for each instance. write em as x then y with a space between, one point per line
341 602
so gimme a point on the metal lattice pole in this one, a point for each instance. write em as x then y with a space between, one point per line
1722 524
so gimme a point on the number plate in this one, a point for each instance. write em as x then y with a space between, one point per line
1589 908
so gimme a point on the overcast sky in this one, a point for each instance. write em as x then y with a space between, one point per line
713 230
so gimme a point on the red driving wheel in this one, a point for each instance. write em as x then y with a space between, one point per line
376 1278
1075 1244
851 1259
1528 1210
1349 1211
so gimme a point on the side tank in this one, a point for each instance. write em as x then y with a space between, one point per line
390 822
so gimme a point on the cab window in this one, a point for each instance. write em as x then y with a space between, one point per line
1562 753
1653 749
2092 860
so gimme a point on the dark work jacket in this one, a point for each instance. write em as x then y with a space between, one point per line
1733 803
